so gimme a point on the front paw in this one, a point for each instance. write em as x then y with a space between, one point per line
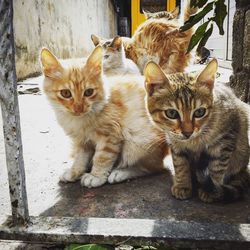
117 175
70 175
205 196
89 180
180 192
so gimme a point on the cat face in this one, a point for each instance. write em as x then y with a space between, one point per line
77 89
180 104
113 51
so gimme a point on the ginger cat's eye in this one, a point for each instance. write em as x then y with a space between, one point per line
106 56
88 92
172 114
66 93
198 113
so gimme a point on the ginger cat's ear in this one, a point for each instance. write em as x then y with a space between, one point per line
95 59
207 76
116 43
95 39
176 12
155 78
52 68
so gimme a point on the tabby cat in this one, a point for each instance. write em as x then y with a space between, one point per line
162 14
115 61
100 117
207 129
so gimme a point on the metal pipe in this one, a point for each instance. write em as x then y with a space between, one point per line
10 115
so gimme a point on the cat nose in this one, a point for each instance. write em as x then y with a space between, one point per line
78 109
187 134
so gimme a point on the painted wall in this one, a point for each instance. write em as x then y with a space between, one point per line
64 26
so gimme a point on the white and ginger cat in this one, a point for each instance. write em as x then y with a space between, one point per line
115 61
207 129
106 120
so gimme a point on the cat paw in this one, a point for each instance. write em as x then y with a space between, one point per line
69 176
205 196
90 181
117 175
181 193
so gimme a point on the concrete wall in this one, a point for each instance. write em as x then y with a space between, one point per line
64 26
240 80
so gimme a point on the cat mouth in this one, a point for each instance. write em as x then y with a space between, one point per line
78 114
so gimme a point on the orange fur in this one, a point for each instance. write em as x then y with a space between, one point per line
160 40
105 127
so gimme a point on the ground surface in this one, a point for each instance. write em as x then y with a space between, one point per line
46 155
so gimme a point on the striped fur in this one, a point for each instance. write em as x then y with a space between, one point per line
162 14
105 127
213 149
159 39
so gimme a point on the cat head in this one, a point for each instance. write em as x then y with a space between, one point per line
180 104
113 51
169 15
75 88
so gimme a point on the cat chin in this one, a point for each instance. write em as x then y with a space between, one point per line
178 137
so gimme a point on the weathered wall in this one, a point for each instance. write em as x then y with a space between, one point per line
240 80
64 26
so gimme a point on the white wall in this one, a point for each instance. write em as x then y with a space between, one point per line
64 26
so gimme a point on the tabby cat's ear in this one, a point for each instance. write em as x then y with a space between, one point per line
207 76
95 59
155 78
147 14
116 43
95 39
175 12
52 68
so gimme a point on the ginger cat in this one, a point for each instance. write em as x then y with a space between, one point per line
207 128
159 39
106 120
115 61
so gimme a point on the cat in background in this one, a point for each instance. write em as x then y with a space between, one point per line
108 133
206 126
159 39
115 61
162 14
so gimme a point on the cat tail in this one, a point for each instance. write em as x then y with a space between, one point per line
188 11
235 189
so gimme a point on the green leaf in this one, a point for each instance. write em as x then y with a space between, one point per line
197 17
220 14
205 37
89 247
197 36
198 3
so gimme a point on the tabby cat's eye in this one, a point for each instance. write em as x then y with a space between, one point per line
66 93
106 56
88 92
198 113
172 113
